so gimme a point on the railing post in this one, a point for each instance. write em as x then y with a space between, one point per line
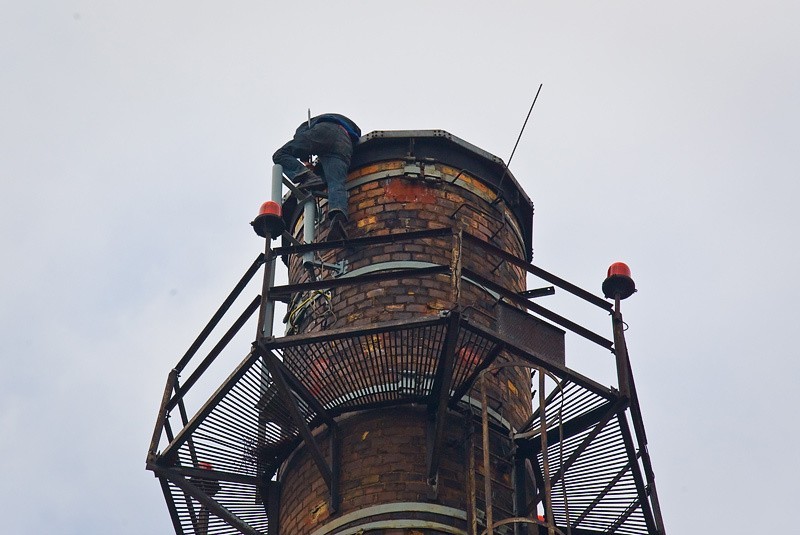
621 351
266 312
548 504
162 416
487 467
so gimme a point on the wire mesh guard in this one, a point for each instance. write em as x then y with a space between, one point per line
216 470
596 480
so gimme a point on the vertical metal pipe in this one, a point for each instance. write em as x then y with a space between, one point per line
520 481
487 467
277 183
472 513
276 194
309 214
267 310
269 306
548 503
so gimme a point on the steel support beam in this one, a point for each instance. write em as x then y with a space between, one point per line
303 392
636 418
362 242
336 466
283 292
290 403
440 393
621 353
534 361
624 516
520 484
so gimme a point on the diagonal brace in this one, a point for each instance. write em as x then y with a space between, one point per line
466 385
603 493
613 410
440 393
277 372
206 501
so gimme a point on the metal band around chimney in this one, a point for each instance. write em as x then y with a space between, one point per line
407 264
400 507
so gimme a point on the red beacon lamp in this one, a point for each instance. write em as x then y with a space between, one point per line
269 220
618 283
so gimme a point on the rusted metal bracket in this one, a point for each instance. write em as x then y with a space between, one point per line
338 268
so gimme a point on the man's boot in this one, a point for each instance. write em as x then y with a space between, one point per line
336 226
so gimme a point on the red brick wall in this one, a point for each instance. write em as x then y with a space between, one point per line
384 462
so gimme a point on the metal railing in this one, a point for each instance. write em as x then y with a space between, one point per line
180 466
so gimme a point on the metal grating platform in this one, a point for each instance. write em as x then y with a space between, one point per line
245 431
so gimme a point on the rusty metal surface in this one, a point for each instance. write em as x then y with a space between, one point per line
535 335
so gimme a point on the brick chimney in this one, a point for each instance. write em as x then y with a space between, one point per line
399 183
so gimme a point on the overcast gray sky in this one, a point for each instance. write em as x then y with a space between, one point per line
135 143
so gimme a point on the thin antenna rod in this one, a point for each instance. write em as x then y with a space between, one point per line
505 170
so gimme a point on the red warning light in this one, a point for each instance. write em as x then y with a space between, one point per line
619 268
270 208
269 220
619 283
